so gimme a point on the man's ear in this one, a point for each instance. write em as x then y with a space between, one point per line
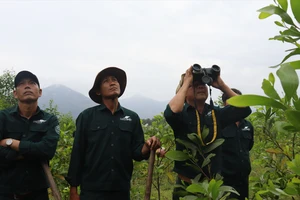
15 93
40 92
98 92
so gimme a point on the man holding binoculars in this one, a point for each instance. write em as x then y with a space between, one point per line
187 113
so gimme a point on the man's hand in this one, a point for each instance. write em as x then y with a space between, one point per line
74 194
152 143
161 152
188 77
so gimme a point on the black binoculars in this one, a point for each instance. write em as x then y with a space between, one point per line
205 75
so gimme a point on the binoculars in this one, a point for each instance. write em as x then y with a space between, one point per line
205 75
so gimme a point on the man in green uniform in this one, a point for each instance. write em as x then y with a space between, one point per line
236 165
28 136
107 138
188 113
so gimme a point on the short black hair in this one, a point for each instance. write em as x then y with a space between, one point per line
225 97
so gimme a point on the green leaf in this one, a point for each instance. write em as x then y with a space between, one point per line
294 64
271 9
294 165
216 189
283 4
187 144
194 137
293 53
279 23
293 116
272 78
254 100
279 125
264 15
296 180
291 189
177 155
269 89
295 5
225 188
213 145
196 188
205 132
289 80
291 32
297 104
206 161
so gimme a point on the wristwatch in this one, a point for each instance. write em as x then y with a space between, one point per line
8 142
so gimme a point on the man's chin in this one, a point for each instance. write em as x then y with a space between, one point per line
28 100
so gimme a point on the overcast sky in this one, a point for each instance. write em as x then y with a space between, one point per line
69 42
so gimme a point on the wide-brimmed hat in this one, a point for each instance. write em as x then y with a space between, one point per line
24 75
110 71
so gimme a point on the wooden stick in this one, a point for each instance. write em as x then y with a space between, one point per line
51 181
150 174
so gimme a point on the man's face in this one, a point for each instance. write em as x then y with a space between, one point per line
197 91
110 87
27 91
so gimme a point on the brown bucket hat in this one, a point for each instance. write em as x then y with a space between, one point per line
110 71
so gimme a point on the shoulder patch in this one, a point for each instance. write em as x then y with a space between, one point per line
57 129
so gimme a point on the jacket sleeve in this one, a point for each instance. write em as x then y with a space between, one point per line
5 153
47 146
230 114
173 119
77 155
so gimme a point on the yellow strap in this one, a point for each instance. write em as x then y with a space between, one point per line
214 127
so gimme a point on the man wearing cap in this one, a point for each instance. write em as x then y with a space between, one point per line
107 138
236 167
188 113
28 136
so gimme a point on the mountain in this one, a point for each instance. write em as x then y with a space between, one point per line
68 100
143 106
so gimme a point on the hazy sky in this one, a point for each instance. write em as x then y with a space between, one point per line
69 42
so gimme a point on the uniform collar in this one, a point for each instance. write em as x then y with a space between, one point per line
188 107
102 107
15 110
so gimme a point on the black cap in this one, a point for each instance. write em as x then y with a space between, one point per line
25 74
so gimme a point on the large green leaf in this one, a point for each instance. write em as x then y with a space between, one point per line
213 145
196 188
289 80
177 155
254 100
293 116
269 89
294 64
271 9
295 4
283 4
